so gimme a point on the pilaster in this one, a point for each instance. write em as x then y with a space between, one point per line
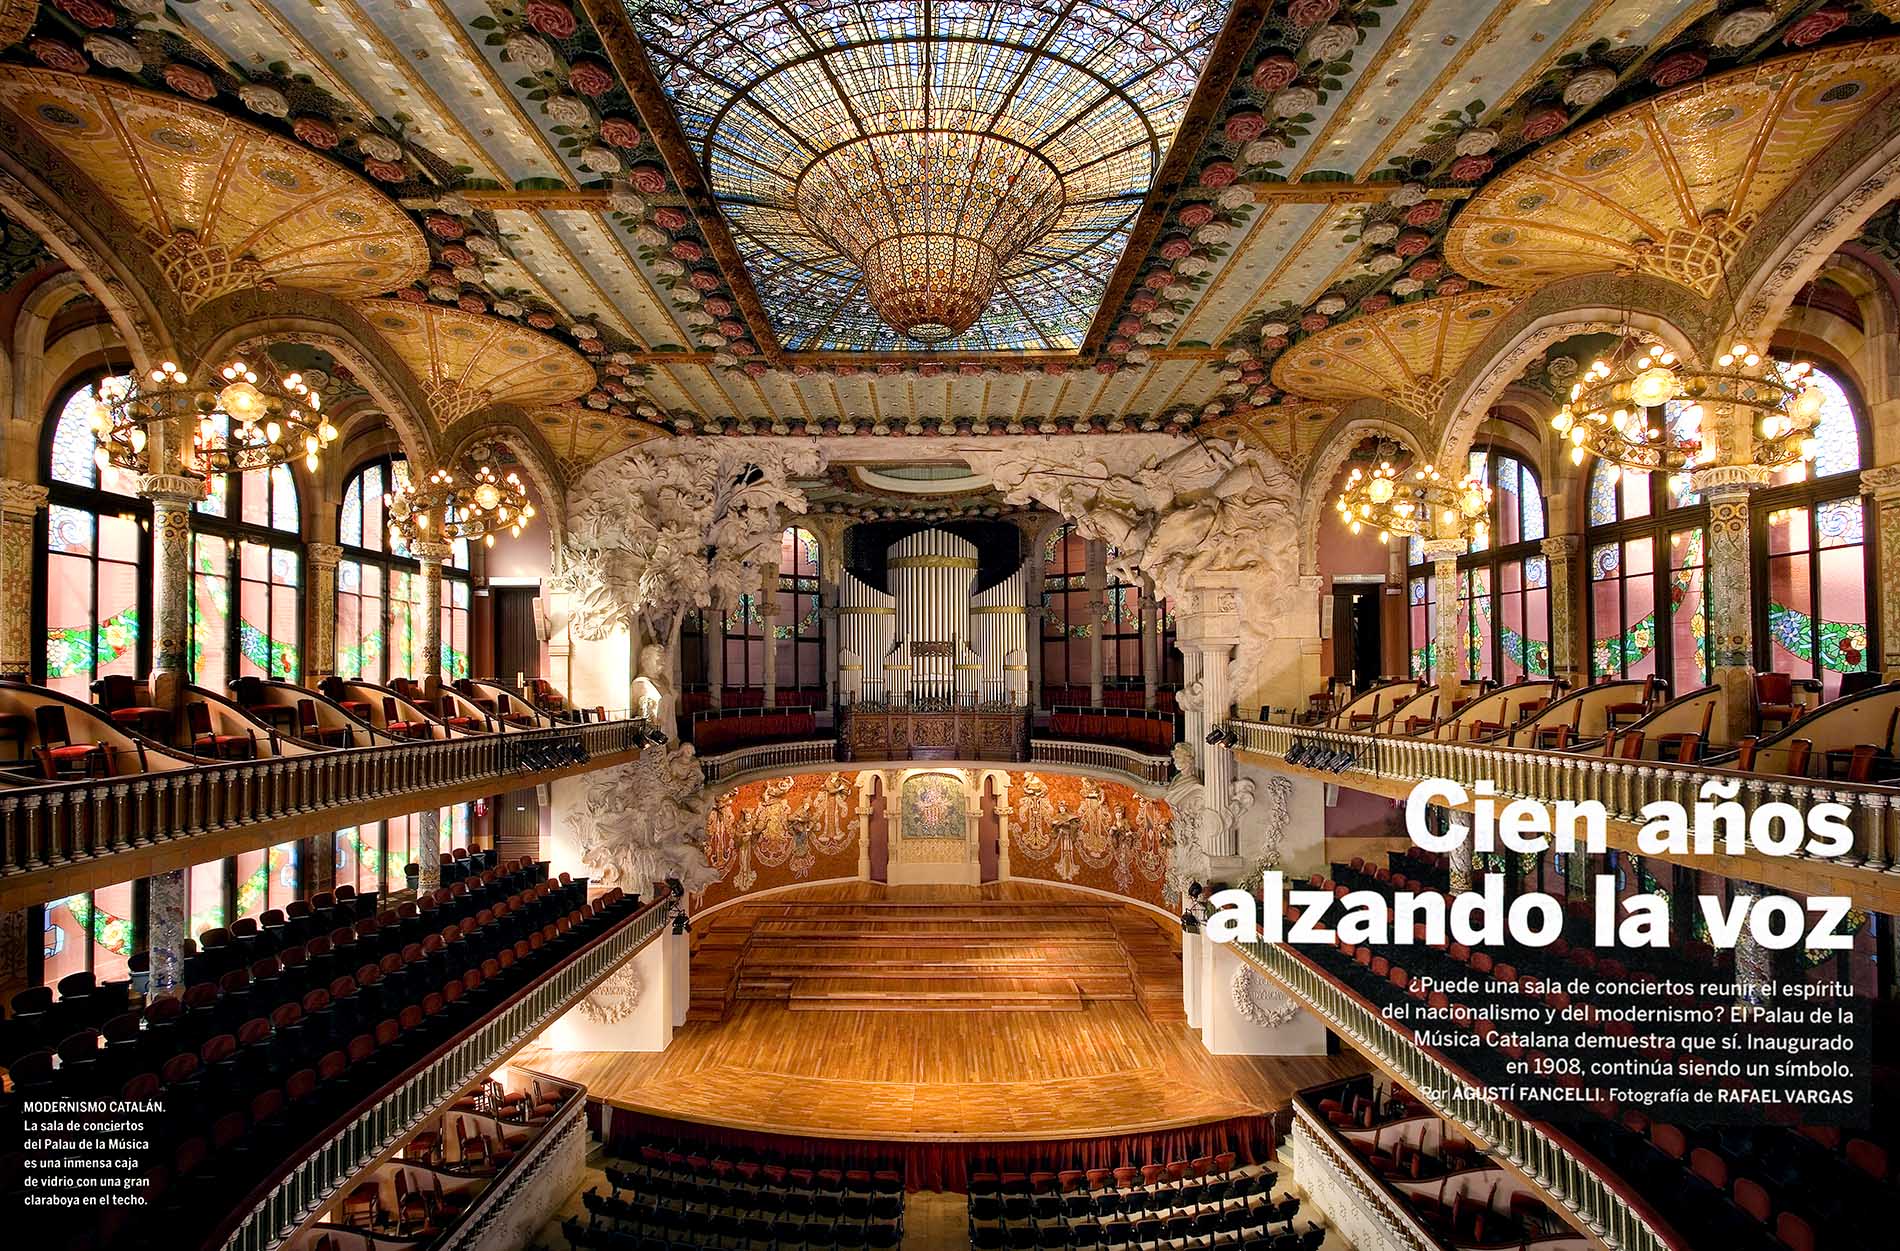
1883 486
1731 574
172 496
20 505
431 553
1560 557
1096 580
1444 554
320 562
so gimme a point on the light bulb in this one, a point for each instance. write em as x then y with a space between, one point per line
1576 455
1652 387
138 438
487 495
241 400
310 462
100 458
1384 537
1355 525
273 431
515 530
488 540
1380 490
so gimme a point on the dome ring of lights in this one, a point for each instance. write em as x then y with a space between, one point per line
769 95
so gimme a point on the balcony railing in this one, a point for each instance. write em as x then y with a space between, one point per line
1143 769
56 826
308 1183
1549 1159
1095 757
1622 786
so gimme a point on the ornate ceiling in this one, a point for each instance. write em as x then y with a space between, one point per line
580 207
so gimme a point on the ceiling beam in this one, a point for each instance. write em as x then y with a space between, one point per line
1231 48
629 59
1341 192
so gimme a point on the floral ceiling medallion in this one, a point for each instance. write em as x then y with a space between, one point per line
960 174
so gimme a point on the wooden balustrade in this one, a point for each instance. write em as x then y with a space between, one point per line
52 828
1623 786
1550 1160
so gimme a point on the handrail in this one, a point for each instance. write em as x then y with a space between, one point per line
1314 1147
310 1176
1623 786
1102 757
61 824
1545 1155
1144 769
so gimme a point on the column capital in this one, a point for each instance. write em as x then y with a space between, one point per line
1562 546
322 555
171 488
1730 480
1883 483
438 550
1435 550
22 499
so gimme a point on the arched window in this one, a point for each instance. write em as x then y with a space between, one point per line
743 637
1812 562
798 629
1646 539
1066 624
379 630
246 539
95 592
1503 583
1121 637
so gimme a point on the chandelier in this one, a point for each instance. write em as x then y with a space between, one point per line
251 417
478 505
1422 503
1615 412
932 219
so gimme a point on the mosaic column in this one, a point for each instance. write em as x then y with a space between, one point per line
1096 579
1217 772
429 850
1754 963
1460 868
768 624
713 622
166 941
1577 875
320 562
431 553
1444 553
1731 628
1032 615
1150 646
1560 558
172 496
1883 485
20 505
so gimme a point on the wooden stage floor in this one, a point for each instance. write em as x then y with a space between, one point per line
940 1075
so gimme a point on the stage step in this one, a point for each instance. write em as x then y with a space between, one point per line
963 956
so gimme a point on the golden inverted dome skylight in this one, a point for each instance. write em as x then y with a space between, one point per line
900 175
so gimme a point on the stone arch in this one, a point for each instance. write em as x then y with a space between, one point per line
1341 437
255 318
1794 240
1597 303
43 192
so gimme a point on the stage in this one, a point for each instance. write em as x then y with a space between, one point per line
916 1068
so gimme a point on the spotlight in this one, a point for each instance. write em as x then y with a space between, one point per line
1214 736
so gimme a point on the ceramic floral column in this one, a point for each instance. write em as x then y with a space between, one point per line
429 850
1560 556
1444 554
320 562
1883 485
172 496
166 926
1730 606
20 505
431 553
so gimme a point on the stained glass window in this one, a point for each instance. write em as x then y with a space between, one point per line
379 626
1067 622
1836 435
1090 91
1504 622
798 630
1813 615
1647 580
246 537
96 597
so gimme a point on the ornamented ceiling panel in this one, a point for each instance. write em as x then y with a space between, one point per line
223 205
466 361
579 437
1092 90
1673 186
1404 354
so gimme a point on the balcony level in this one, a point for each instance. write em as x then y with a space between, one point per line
100 793
1616 743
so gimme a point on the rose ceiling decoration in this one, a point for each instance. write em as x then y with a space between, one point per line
618 178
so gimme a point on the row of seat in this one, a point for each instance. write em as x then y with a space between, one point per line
226 1119
1241 1186
1138 729
714 733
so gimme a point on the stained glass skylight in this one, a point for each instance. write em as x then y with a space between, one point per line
766 90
